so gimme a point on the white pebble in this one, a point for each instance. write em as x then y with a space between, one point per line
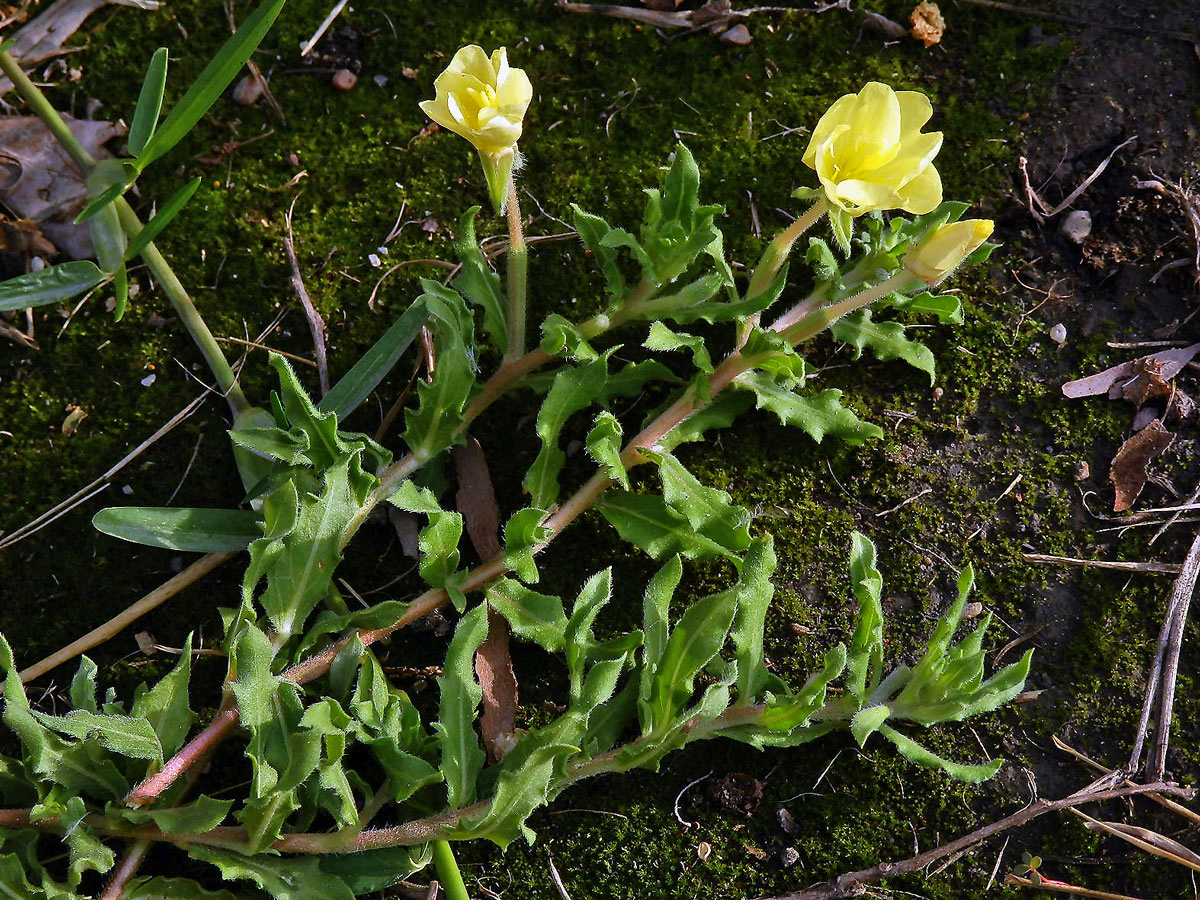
1077 225
149 380
374 260
1058 334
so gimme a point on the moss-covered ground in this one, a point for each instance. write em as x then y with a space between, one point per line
612 100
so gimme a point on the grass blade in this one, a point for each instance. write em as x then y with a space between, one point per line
161 219
149 104
217 76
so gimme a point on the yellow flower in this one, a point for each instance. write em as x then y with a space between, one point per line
869 152
940 251
483 100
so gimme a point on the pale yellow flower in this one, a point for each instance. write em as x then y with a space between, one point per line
940 251
869 152
484 100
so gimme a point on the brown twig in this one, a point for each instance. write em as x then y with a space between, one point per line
254 70
849 883
1059 887
1152 567
123 620
1181 599
129 866
316 324
1155 678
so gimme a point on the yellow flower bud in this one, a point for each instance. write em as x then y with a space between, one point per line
869 152
942 249
483 100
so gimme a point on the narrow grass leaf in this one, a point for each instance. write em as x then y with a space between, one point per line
217 76
149 103
193 530
61 282
161 219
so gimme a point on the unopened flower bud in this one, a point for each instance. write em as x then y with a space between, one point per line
945 247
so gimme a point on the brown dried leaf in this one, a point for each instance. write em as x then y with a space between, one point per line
39 181
927 23
476 499
1170 363
1128 471
1145 839
43 38
407 530
493 667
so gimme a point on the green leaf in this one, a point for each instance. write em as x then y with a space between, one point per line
100 202
789 712
865 658
604 446
202 814
83 686
61 282
817 414
124 735
522 533
161 888
663 338
532 616
438 544
574 388
217 76
436 421
284 878
149 104
592 231
165 706
708 510
719 413
577 636
695 640
656 628
867 721
947 307
462 757
885 339
479 284
650 524
300 576
522 787
754 592
193 530
161 219
254 685
368 871
13 883
559 334
286 446
76 767
914 752
374 365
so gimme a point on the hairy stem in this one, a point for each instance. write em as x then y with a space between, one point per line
517 262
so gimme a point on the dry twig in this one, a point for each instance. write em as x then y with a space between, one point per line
316 324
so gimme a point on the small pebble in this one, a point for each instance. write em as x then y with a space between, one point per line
409 72
738 36
788 857
293 159
786 820
1058 334
1082 471
344 79
126 490
1077 225
380 80
37 264
248 91
149 380
704 850
972 610
374 260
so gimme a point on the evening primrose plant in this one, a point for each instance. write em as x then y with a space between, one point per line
353 786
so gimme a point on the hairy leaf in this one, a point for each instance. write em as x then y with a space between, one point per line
462 757
817 414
